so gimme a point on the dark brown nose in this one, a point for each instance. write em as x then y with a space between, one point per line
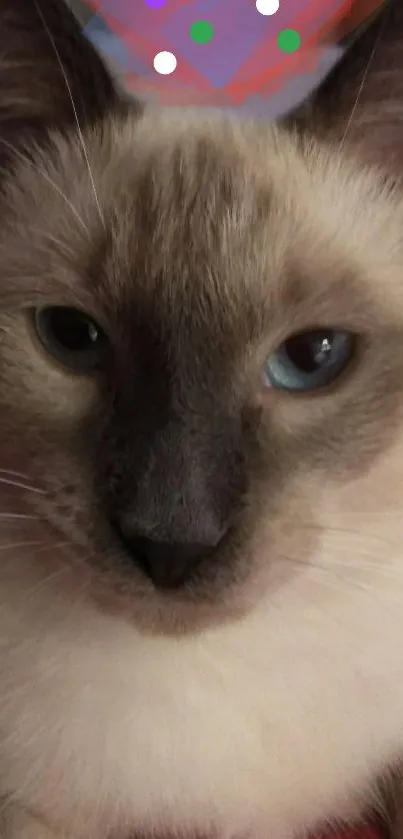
169 565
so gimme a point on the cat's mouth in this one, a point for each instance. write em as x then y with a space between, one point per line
194 606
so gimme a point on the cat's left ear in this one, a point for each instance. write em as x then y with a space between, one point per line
50 75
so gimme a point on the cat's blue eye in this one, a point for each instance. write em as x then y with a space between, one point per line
308 361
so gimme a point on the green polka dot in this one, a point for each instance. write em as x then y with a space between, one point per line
289 40
201 31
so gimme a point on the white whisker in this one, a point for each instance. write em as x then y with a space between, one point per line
13 545
350 572
80 133
7 516
20 485
59 572
362 85
26 160
15 474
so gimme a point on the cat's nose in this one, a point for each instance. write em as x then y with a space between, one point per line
170 564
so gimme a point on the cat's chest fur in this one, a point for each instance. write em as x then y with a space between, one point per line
200 735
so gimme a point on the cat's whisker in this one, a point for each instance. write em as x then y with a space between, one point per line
338 532
15 474
21 485
9 546
333 576
362 85
59 572
329 561
19 516
79 131
363 564
26 160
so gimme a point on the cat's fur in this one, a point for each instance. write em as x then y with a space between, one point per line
266 697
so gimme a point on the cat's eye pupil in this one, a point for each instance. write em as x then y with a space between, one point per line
71 337
309 351
72 330
310 360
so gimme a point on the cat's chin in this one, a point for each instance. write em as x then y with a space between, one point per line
153 611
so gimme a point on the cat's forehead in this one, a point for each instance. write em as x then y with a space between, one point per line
159 206
201 183
241 215
230 220
189 211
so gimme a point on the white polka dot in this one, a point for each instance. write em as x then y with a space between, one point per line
165 63
267 7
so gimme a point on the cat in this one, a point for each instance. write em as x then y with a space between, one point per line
201 449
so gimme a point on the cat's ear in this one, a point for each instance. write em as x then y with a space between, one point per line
362 99
50 75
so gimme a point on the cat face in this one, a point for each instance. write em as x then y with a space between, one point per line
201 338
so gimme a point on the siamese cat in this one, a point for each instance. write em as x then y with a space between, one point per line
201 450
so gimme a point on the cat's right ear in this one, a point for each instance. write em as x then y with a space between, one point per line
362 99
50 75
